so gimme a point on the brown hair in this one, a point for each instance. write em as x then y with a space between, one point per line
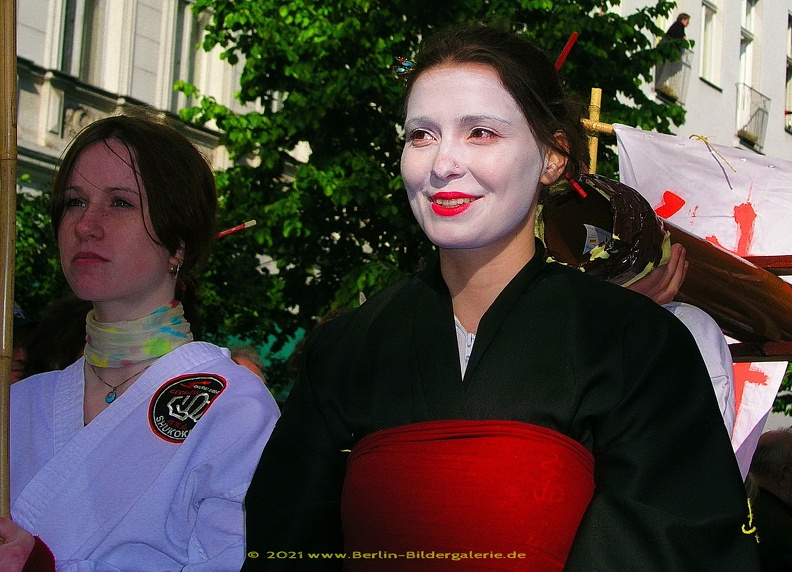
525 72
177 179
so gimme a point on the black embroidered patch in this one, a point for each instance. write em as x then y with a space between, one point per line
181 402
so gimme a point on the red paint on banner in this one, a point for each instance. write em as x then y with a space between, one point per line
743 375
745 217
671 205
714 240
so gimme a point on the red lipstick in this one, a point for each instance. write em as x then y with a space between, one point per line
451 203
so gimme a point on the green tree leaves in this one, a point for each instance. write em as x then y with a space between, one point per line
38 279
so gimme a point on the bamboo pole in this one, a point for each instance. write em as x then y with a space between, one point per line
597 127
8 156
594 115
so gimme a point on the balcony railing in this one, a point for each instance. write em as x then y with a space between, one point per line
671 79
753 109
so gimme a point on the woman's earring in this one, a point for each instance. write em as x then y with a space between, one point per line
174 269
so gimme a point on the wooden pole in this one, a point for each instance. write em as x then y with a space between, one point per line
594 115
597 127
8 157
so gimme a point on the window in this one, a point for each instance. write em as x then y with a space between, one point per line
788 106
83 37
747 42
748 9
187 54
710 42
746 59
789 37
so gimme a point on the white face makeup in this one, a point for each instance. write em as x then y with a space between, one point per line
471 164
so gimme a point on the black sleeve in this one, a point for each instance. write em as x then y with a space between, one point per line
293 519
668 490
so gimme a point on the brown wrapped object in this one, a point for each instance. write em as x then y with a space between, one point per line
612 233
749 303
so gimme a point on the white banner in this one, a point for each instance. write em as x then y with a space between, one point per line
736 199
755 388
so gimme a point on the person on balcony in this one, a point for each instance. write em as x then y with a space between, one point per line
677 29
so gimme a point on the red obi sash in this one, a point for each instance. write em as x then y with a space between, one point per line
464 496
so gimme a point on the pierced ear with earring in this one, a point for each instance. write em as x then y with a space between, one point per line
174 269
178 257
551 172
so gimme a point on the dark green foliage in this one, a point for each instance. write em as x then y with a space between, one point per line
38 279
783 402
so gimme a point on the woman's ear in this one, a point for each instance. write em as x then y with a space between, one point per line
177 259
555 161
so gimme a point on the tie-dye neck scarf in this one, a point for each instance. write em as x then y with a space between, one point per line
118 344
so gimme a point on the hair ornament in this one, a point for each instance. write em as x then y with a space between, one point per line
403 66
575 185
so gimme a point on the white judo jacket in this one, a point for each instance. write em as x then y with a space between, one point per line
156 481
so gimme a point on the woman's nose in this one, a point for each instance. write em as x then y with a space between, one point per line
90 224
446 165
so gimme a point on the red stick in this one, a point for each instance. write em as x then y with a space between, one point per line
575 185
236 228
559 62
565 52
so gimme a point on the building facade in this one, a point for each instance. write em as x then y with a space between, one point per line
82 59
736 82
79 60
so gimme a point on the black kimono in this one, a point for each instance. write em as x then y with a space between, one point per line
604 366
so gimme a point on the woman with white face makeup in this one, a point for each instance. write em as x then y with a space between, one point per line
137 456
496 411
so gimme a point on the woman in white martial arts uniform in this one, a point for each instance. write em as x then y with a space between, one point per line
138 456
